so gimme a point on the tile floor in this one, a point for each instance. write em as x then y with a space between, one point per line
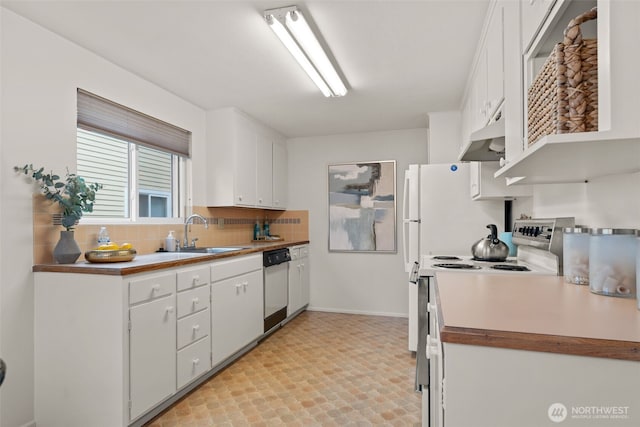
321 369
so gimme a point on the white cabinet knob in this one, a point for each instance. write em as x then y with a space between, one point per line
240 198
431 307
195 279
244 285
196 328
238 286
155 288
170 309
196 361
195 301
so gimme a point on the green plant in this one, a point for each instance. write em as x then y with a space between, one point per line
73 194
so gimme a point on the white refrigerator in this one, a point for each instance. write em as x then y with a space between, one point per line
439 218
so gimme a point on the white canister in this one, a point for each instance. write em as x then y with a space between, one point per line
575 255
612 263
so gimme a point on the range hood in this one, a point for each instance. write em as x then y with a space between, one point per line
486 144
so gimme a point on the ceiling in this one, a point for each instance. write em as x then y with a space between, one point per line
401 59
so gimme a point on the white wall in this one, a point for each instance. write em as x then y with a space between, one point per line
351 282
607 202
445 134
40 73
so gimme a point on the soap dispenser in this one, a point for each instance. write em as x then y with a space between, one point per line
256 230
266 228
170 242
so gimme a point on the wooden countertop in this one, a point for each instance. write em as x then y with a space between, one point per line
158 260
538 313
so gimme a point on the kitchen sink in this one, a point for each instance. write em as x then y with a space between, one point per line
213 250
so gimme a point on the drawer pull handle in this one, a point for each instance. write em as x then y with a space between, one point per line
238 286
195 279
196 300
244 285
170 309
155 288
196 328
196 361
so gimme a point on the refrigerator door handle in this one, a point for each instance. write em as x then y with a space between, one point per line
405 221
413 277
405 197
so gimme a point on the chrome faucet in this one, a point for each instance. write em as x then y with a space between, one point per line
186 230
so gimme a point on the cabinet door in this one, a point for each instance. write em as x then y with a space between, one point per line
245 171
495 61
264 167
295 288
304 280
152 354
479 100
280 176
236 313
533 13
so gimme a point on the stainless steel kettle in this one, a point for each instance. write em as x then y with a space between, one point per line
490 248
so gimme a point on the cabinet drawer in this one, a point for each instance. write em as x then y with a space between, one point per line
193 361
234 267
193 301
193 327
151 287
193 277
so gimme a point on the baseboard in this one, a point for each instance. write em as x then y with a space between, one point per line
365 313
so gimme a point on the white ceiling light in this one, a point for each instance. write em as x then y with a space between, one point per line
294 32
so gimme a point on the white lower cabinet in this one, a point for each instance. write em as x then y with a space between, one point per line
194 324
194 361
298 279
236 313
152 359
131 345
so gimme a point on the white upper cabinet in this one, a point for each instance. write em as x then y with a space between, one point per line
615 147
485 92
495 61
264 168
533 15
240 162
245 171
483 185
280 174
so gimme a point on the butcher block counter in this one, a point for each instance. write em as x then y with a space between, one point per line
159 260
536 313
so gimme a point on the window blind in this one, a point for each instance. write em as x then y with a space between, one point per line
101 115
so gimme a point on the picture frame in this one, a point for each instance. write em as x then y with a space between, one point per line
362 207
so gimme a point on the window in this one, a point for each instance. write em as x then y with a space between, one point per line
139 160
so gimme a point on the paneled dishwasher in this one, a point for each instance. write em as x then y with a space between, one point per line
276 286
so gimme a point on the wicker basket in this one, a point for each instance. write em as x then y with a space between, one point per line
564 96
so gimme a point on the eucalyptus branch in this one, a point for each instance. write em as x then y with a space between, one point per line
73 194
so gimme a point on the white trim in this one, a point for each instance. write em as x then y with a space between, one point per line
128 221
365 313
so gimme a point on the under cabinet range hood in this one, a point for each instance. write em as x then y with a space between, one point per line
486 144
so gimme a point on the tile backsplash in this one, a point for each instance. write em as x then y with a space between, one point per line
227 226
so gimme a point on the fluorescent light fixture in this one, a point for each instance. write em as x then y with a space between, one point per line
294 32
